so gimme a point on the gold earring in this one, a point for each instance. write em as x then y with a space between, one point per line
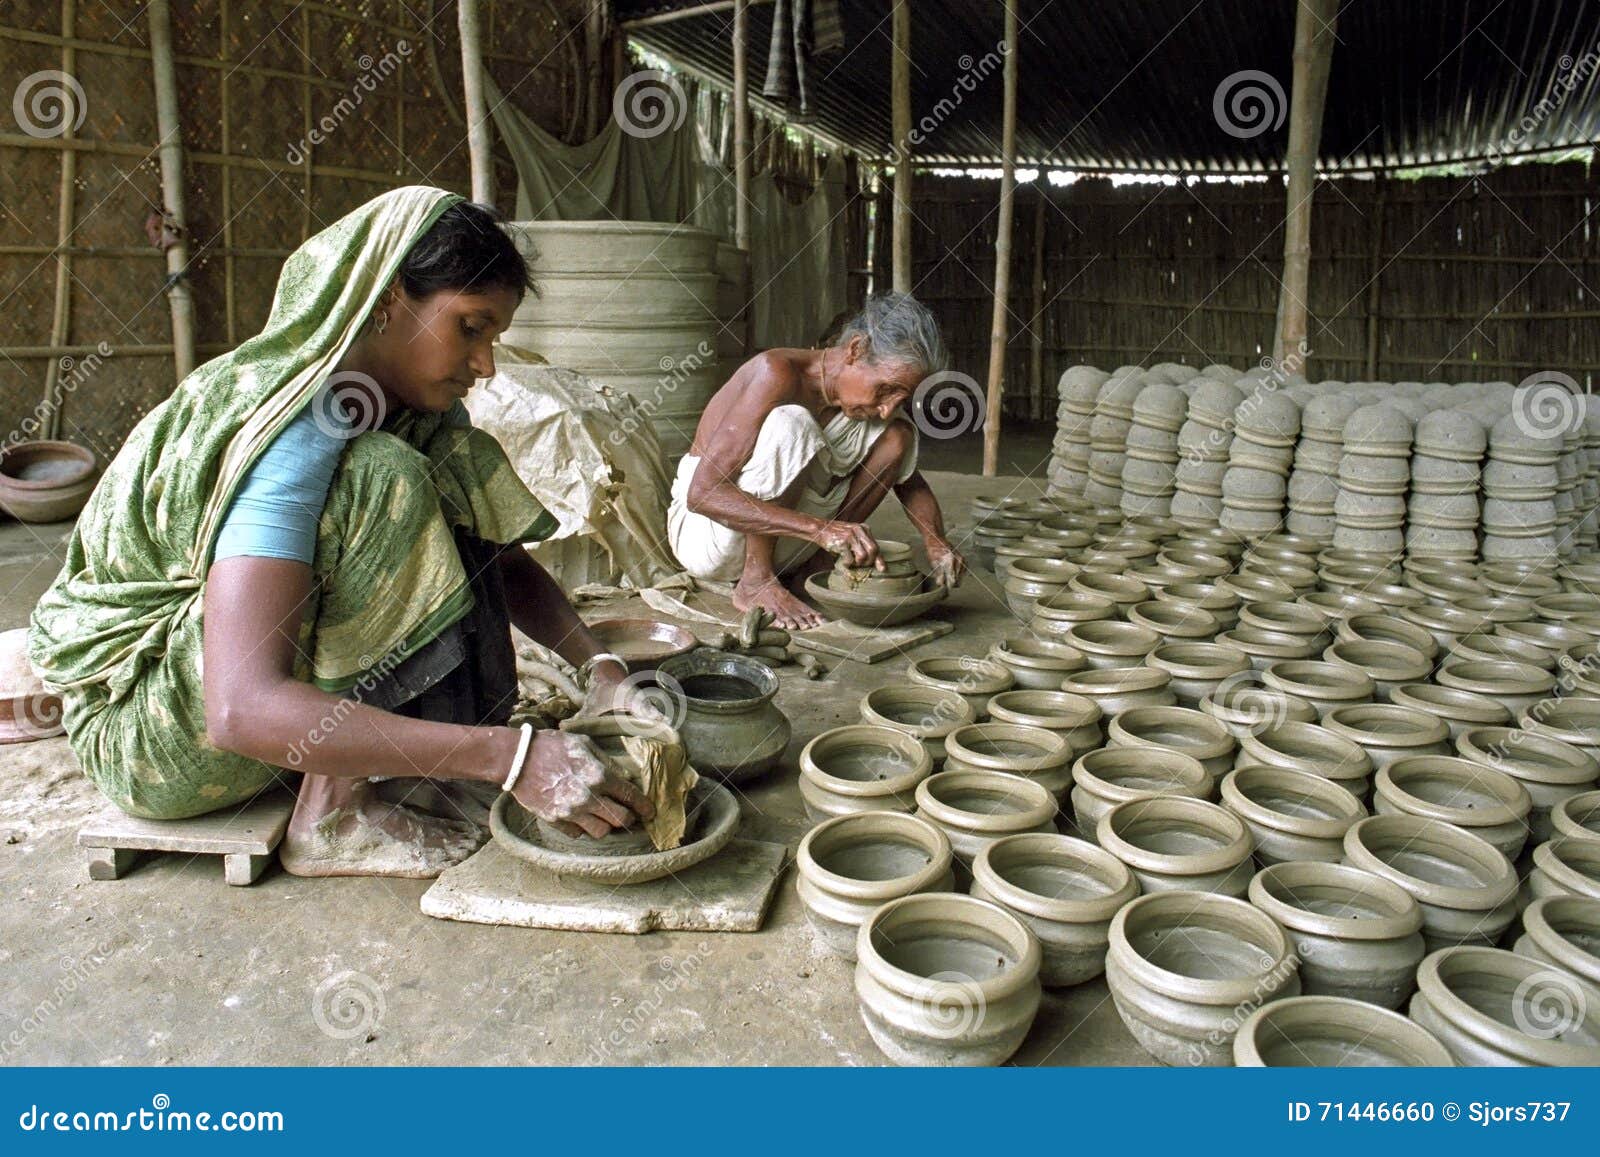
380 321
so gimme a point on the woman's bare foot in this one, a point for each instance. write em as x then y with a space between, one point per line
769 594
341 827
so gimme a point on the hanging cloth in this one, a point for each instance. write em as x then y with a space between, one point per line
801 30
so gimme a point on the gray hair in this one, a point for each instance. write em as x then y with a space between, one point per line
898 328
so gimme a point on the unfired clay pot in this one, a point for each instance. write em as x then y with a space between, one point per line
1466 888
1577 817
1491 1007
1564 868
731 728
1123 688
1109 644
851 865
861 768
1104 778
1030 752
1038 664
1312 749
1183 968
1054 616
1074 718
975 680
1550 770
1387 733
1460 711
1357 935
947 980
1174 621
1197 669
975 808
1177 728
1292 815
1517 685
1467 795
927 714
1323 685
1247 709
1563 931
1331 1032
1268 647
1387 628
1573 719
1065 890
1179 844
1388 665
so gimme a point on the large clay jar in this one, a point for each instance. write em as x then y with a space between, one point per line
1517 685
1030 579
1175 844
927 714
1038 664
975 808
1563 931
1030 752
851 865
1122 689
1197 669
1577 817
1065 890
1110 644
1460 711
1074 718
731 728
1495 1008
1464 794
1467 889
1357 935
1313 749
1104 778
1564 868
1550 770
1323 685
1331 1032
1176 728
1387 733
975 680
1248 708
1184 968
947 980
1388 665
861 768
1293 815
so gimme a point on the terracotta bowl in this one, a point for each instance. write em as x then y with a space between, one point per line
869 610
45 481
643 643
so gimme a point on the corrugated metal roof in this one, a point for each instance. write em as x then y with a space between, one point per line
1132 85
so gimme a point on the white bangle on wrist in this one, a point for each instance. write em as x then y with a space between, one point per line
586 672
521 758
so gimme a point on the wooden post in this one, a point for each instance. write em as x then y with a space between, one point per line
1036 329
1002 249
61 315
230 307
172 193
594 48
1375 280
900 78
741 124
475 105
1313 55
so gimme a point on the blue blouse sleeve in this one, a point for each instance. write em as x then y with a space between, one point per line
279 504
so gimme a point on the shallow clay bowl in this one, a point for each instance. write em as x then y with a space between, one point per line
873 610
45 481
643 643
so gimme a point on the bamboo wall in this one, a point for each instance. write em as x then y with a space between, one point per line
1449 279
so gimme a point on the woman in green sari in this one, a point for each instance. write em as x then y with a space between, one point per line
308 558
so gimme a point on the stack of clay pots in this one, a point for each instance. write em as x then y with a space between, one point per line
1108 435
1374 477
1314 480
1147 475
1443 515
1204 443
1588 535
1069 463
1520 480
1255 487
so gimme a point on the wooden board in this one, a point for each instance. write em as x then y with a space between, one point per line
245 837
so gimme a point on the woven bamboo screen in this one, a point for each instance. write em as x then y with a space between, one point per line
376 81
1441 279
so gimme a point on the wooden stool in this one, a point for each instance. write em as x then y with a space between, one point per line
244 836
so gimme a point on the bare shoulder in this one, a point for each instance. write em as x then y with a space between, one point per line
768 380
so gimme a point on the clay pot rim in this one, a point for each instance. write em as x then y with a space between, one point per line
1103 584
973 676
1116 681
1404 917
1451 703
1193 814
1052 656
1405 1041
1561 763
1053 750
1189 659
914 693
1039 806
1262 585
1564 820
1393 595
866 735
1042 570
1496 648
917 831
1514 802
1353 721
707 661
1337 604
1243 917
1509 607
1494 676
1185 774
1165 617
1553 858
1301 578
50 449
1007 707
1237 784
1558 607
1256 642
1113 637
1386 662
1384 627
1451 620
1314 679
1434 977
1253 712
1207 596
1331 752
1062 605
1557 638
1538 927
950 908
1499 877
1036 847
1202 562
1213 740
1162 574
1276 615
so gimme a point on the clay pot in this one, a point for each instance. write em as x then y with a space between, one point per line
1292 815
1120 589
1466 888
1331 1032
1179 844
1037 664
45 481
1573 719
850 866
1258 588
1175 621
946 980
1445 625
1554 639
1197 669
1563 931
927 714
1550 770
1467 795
1564 868
1323 685
1222 603
1286 618
1387 664
1387 733
861 768
1478 647
1110 644
1072 717
1029 752
1577 817
1357 935
975 808
1517 685
1030 579
1460 711
975 680
731 729
1054 616
1065 890
1184 967
1205 564
1175 728
1123 688
1336 605
1268 647
1490 1007
1246 709
1110 776
1312 749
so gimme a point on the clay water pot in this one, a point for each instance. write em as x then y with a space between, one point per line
1286 618
1246 708
1467 795
947 980
975 680
45 481
1577 817
1563 931
1332 1032
1357 935
1323 685
1111 644
1123 688
1556 608
1573 719
1104 778
1197 669
1065 890
1478 647
1033 753
1550 770
1460 711
1445 625
1184 967
1204 563
1498 608
1564 868
1292 815
1387 733
1491 1007
1466 888
1176 728
1222 603
1258 588
1517 685
1119 588
1310 748
1388 665
927 714
1336 605
1392 596
850 866
1175 622
1031 579
1037 664
1179 844
861 768
731 729
1054 616
1074 718
975 808
1554 639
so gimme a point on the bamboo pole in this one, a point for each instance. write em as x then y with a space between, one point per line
594 33
1313 55
476 105
305 126
1374 281
172 191
1002 250
230 308
741 124
1036 327
900 80
66 202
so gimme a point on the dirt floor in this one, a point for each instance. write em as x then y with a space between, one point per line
171 966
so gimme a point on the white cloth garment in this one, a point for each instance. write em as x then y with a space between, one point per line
791 443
